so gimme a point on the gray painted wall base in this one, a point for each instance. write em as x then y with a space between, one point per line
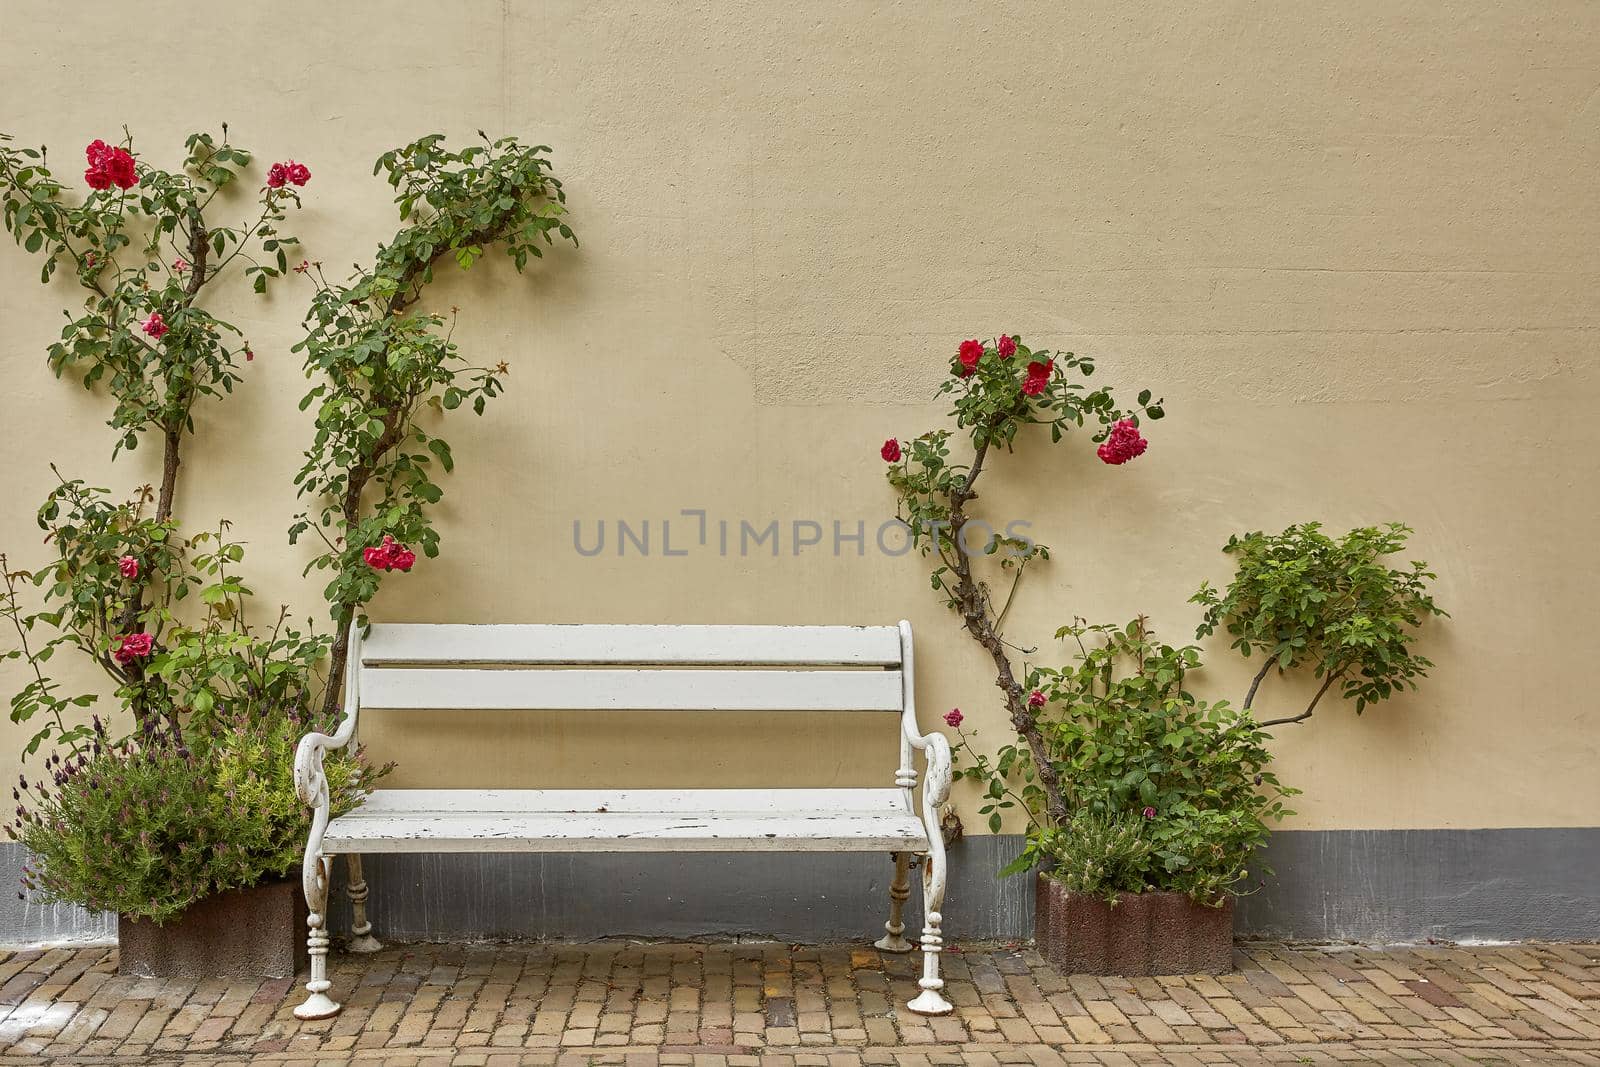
1410 885
801 897
23 922
1358 885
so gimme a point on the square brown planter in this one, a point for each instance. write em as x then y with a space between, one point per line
1141 934
245 933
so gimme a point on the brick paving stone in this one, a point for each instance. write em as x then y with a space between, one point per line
755 1005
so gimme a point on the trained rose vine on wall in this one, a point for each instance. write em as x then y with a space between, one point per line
385 371
1000 388
198 797
145 249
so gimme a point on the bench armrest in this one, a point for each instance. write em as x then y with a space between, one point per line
311 783
935 749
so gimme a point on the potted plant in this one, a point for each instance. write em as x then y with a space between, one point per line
1168 798
191 838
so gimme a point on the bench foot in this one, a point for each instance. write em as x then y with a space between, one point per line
930 1003
893 943
931 1000
364 944
317 1006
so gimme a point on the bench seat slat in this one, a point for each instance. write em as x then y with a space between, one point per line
816 820
618 690
389 643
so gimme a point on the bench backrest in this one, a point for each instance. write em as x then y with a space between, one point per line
633 668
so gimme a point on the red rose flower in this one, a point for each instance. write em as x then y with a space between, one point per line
1038 377
108 166
155 325
132 647
969 354
297 173
277 176
1006 346
890 451
390 555
1036 699
1125 443
121 167
128 566
952 718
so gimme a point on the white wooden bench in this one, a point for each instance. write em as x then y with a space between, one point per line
612 668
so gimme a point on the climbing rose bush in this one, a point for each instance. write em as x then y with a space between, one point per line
147 246
998 389
385 368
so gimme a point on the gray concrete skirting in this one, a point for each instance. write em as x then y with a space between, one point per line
1359 885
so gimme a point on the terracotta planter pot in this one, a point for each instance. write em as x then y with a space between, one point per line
1142 934
246 933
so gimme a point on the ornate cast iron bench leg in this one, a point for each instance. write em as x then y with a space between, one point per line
894 939
361 939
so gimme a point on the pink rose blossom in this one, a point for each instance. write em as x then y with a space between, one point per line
952 718
155 325
1125 443
1006 346
180 265
128 566
132 647
1036 699
890 451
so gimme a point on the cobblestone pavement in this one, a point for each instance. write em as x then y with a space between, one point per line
744 1005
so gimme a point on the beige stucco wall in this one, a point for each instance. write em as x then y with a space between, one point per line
1356 247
